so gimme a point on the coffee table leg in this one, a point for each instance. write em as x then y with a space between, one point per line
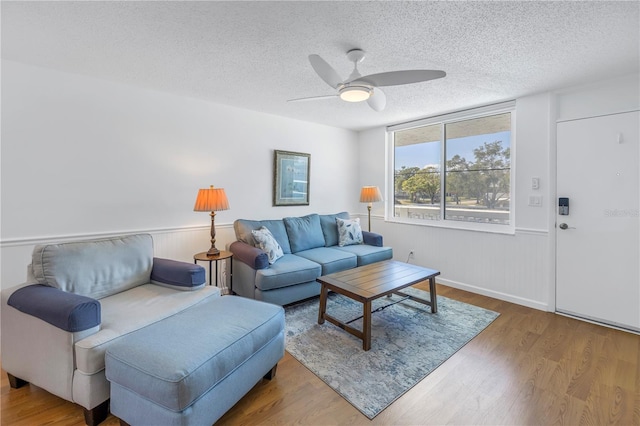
323 303
366 326
432 291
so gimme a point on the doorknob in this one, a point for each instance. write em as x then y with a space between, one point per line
565 226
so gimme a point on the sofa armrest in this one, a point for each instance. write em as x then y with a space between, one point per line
67 311
372 239
252 256
177 275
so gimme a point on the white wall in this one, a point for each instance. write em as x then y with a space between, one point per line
519 268
620 94
373 157
508 267
83 157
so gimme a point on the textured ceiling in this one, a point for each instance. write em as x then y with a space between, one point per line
254 54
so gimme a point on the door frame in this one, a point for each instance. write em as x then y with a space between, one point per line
553 194
551 207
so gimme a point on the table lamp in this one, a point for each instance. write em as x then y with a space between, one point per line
370 194
211 200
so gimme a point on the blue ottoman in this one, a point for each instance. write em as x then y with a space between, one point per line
190 368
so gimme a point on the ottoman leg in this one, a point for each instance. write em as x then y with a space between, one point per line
272 373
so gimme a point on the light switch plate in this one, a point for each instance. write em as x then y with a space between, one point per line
535 183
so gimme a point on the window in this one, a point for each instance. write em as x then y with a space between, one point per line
455 169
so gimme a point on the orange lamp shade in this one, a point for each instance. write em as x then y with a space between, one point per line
211 199
370 194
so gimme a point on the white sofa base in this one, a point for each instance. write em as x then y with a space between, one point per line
40 353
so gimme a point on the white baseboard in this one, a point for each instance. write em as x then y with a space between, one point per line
596 321
497 295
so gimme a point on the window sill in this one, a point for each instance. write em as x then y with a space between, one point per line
459 225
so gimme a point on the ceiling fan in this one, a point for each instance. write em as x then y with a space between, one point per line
358 88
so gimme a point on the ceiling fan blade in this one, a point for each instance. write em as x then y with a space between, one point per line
394 78
378 100
325 71
312 98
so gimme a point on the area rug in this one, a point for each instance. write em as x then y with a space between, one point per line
407 343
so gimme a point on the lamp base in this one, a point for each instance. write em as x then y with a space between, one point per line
213 252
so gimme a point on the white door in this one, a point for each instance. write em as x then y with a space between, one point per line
598 242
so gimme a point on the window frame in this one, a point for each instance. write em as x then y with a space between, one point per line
443 120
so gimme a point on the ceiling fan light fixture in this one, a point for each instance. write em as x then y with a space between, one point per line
358 88
355 93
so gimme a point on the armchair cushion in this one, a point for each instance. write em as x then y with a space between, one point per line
177 275
252 256
131 310
95 268
67 311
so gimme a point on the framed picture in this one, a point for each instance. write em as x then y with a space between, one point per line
291 178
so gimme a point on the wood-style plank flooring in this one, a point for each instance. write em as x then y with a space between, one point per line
527 368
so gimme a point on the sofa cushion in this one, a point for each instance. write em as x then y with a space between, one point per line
289 270
268 244
176 375
243 228
331 259
368 254
330 228
349 232
95 268
126 312
304 232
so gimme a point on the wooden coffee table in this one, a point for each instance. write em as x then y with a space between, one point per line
367 283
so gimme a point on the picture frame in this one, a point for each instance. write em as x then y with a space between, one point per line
291 178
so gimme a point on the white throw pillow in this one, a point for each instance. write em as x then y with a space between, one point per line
349 231
268 244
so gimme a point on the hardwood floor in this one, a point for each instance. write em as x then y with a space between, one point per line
527 368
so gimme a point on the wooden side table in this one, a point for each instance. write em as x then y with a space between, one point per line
223 255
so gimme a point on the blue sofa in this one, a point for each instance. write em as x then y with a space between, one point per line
310 246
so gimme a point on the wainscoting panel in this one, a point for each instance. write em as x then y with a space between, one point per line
514 268
177 243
